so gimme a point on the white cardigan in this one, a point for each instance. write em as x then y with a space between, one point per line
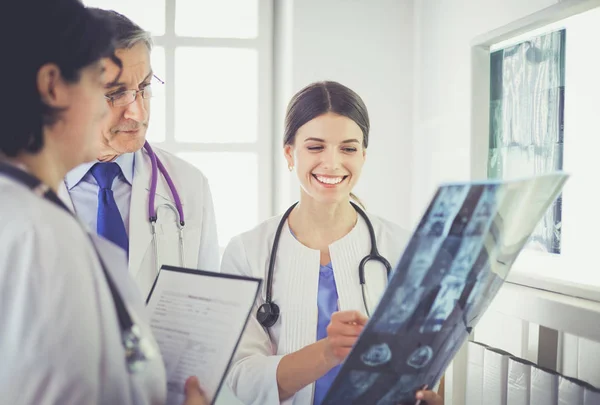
295 284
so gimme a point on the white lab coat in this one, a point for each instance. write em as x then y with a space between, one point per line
60 341
295 284
200 233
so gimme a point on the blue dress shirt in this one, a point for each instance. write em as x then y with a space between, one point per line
83 189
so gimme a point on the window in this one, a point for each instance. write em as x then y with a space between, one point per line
215 107
544 106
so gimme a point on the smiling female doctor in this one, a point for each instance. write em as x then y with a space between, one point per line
72 323
296 339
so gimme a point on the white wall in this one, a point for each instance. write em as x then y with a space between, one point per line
368 46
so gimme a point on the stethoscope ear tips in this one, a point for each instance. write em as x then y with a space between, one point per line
268 314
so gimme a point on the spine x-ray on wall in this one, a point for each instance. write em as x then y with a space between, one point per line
527 120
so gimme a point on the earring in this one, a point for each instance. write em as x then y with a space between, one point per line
290 167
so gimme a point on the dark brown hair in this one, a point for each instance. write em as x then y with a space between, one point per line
321 98
34 33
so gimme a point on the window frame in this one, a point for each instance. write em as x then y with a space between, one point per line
263 147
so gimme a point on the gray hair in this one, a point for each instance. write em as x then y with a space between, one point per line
127 33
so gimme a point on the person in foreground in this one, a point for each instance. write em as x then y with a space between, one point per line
313 308
67 306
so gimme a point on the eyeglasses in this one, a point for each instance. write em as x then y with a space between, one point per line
126 97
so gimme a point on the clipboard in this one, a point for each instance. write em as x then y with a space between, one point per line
198 318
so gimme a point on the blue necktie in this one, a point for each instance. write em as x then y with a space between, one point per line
110 224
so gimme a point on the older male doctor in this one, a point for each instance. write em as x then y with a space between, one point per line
112 195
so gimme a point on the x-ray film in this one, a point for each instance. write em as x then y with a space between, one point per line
453 266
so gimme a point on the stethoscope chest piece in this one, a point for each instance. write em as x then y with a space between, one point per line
268 314
138 350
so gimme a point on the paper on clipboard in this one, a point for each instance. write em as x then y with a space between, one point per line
197 318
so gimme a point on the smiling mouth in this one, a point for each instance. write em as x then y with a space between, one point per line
329 180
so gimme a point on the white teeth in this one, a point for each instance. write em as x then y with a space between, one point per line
330 180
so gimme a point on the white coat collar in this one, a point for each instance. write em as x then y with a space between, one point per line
63 194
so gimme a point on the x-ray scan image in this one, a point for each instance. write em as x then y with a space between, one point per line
444 304
404 302
357 383
455 263
377 355
420 357
403 388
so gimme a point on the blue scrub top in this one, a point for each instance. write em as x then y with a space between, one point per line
327 302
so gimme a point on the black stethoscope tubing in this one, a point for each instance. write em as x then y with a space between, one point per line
268 313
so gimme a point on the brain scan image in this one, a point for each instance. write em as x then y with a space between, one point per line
377 355
420 357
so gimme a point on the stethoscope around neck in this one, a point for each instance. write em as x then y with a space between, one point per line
268 313
153 211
